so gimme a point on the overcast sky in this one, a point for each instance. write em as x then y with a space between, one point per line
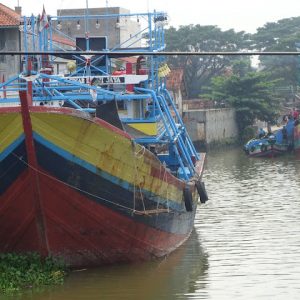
240 15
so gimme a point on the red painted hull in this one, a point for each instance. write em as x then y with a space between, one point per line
56 203
79 230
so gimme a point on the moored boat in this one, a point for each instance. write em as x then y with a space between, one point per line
109 174
273 144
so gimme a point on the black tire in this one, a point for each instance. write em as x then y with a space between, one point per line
188 198
201 191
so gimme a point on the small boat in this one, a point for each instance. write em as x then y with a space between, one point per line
96 168
273 144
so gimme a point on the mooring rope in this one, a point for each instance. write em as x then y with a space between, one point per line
101 198
71 186
143 149
135 156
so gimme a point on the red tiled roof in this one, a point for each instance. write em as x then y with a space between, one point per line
8 17
174 79
130 59
62 40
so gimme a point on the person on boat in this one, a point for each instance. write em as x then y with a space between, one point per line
284 134
261 133
284 119
295 113
269 129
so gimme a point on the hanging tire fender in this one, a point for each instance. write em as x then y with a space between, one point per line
188 198
201 191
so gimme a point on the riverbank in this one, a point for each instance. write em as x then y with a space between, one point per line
18 272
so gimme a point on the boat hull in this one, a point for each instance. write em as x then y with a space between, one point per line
297 140
269 151
93 197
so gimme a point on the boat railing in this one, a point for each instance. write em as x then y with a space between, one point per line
48 88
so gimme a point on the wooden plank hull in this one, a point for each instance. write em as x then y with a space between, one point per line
94 197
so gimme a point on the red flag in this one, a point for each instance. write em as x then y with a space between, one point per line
4 87
43 20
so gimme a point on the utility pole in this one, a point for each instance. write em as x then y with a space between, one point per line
87 34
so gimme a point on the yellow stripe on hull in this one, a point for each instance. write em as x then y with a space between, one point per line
105 149
11 128
147 128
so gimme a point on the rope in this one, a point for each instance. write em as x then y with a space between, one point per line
141 150
163 179
69 185
136 175
40 172
157 205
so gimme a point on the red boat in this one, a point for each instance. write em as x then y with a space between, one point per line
81 182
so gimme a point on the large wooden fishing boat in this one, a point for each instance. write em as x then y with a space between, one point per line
89 172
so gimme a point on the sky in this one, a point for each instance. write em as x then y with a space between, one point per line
240 15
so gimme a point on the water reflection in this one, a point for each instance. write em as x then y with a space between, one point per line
250 226
174 277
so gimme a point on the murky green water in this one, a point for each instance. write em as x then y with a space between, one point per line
246 243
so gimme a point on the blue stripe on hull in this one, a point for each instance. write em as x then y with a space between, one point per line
93 169
12 164
11 147
104 192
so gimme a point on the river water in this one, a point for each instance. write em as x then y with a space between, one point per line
245 245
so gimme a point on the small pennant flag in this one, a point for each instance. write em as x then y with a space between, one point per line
43 20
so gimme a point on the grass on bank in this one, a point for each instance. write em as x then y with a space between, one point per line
21 271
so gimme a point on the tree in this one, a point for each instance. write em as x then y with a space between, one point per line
279 36
251 95
198 70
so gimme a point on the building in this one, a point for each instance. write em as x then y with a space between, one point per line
117 31
10 40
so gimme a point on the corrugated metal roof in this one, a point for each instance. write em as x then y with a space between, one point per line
8 17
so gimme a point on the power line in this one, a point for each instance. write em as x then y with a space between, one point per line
163 53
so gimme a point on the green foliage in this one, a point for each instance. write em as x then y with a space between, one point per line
28 270
198 70
279 36
247 134
251 95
